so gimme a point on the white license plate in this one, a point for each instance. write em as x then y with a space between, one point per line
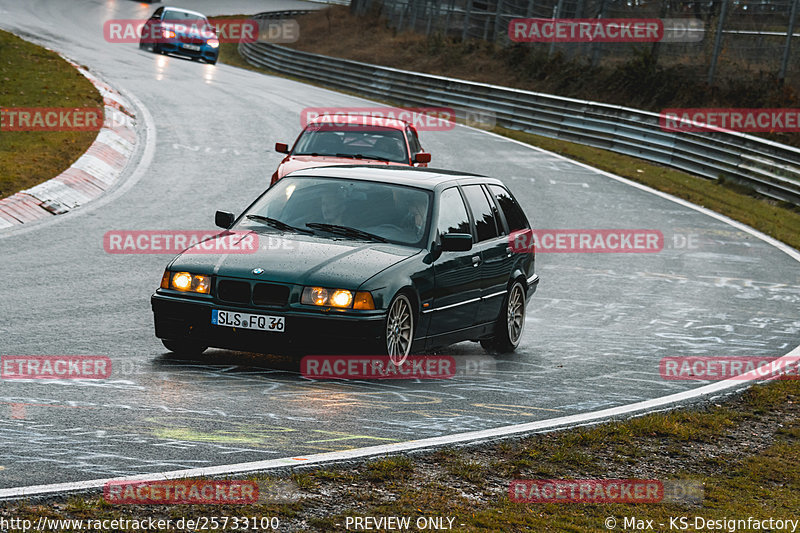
233 319
192 47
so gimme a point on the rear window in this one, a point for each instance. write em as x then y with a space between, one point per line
515 217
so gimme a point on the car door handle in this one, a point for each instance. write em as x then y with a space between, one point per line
476 260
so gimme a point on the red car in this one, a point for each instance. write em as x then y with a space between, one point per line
357 139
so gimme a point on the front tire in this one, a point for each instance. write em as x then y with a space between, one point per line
399 330
183 347
510 323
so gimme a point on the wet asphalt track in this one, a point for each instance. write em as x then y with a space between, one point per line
596 329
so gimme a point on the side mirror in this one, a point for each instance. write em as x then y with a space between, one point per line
224 219
282 148
422 157
456 242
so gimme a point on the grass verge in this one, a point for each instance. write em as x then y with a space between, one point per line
31 76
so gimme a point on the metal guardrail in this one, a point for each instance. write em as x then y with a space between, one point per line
770 168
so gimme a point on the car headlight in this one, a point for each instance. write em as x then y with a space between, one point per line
186 282
341 298
213 43
168 34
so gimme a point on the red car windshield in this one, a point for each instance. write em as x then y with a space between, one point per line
367 142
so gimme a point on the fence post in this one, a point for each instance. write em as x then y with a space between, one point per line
595 46
656 45
717 42
399 25
428 16
497 23
437 5
556 13
447 18
787 48
579 9
467 17
412 23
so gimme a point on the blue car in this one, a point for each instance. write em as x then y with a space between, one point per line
172 30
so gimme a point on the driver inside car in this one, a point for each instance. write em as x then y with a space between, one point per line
413 206
333 206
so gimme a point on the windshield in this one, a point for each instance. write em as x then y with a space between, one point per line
182 16
369 142
395 213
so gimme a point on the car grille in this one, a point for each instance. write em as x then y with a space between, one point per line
266 294
189 39
234 291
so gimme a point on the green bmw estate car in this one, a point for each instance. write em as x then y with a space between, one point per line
356 259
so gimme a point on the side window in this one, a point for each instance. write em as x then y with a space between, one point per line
453 216
158 13
482 212
413 141
495 212
515 217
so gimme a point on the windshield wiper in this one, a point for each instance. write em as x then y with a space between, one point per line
361 156
346 231
277 224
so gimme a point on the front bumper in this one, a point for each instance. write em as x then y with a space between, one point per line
206 52
178 318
